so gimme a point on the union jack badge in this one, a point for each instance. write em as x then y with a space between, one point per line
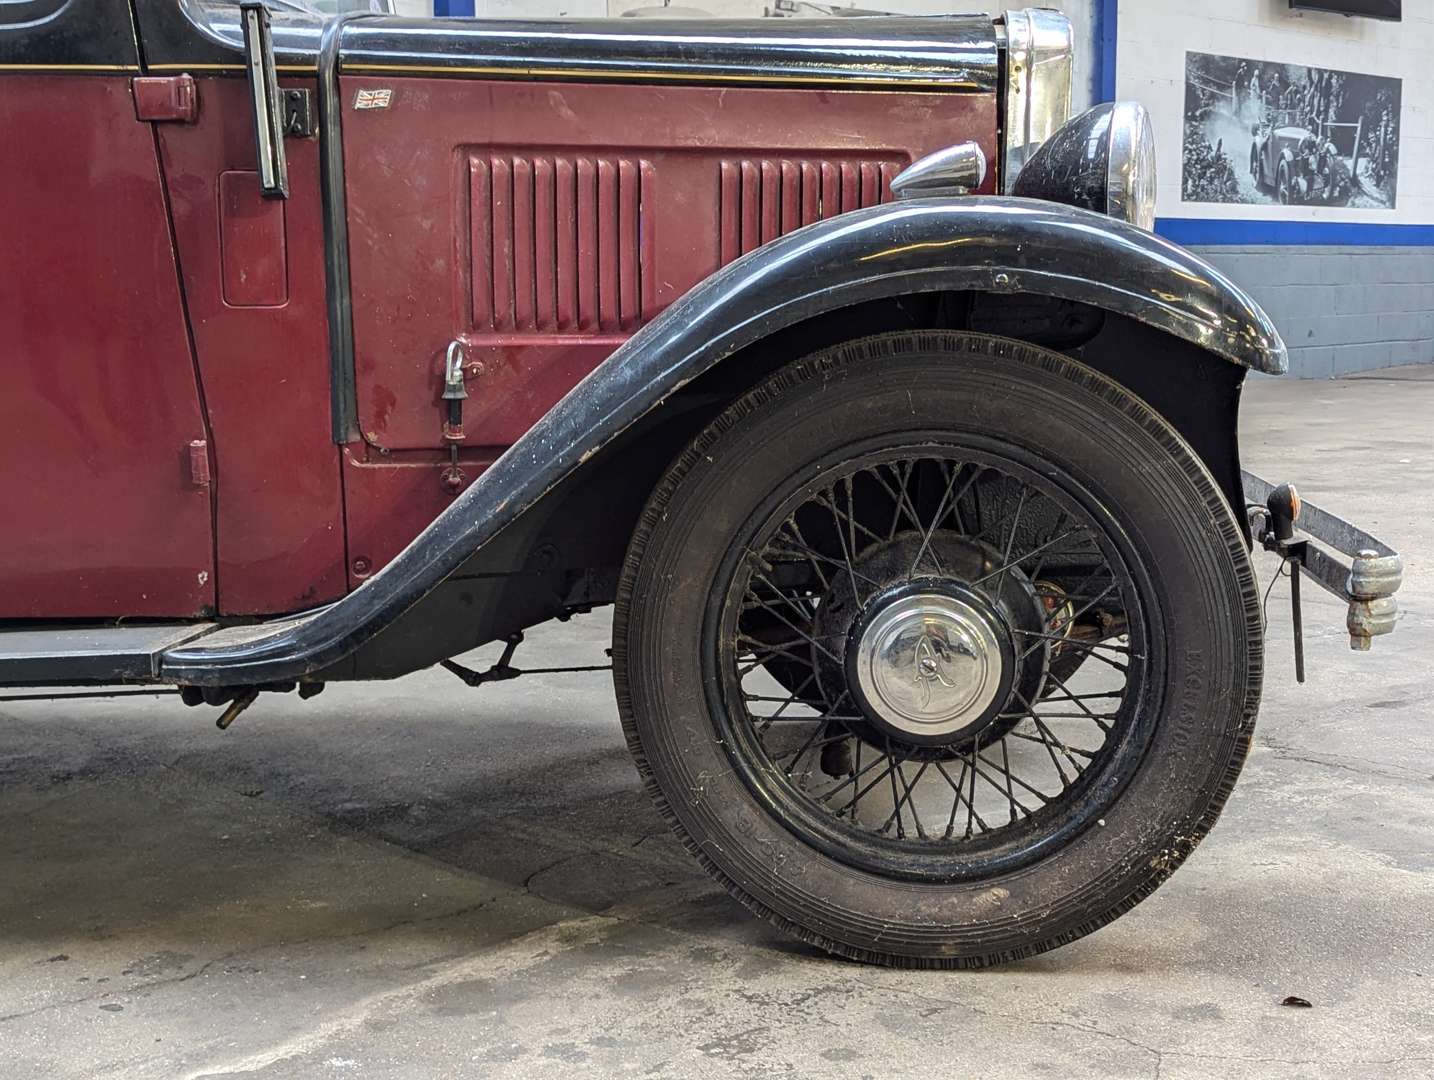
373 99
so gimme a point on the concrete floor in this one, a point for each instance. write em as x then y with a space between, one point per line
417 879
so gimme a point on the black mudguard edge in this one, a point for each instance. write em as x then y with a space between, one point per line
984 244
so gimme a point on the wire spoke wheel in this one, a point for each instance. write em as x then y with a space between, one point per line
938 649
929 656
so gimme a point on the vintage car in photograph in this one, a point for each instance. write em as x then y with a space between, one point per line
1300 165
834 354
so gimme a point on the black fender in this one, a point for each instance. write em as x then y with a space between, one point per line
983 244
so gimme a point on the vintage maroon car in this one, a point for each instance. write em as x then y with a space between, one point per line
832 352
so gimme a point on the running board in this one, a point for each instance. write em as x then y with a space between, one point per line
97 655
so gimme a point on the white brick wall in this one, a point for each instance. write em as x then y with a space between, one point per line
1154 36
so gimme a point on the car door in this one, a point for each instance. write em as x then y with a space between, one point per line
536 192
253 274
106 493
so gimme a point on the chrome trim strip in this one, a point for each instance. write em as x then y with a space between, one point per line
951 53
1039 48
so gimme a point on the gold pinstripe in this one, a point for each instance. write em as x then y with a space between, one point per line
69 67
640 73
540 72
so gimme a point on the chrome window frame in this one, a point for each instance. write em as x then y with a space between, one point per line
1039 46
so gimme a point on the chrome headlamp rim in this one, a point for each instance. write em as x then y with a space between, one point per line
1130 170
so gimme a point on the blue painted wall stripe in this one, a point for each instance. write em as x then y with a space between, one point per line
1105 31
453 7
1226 233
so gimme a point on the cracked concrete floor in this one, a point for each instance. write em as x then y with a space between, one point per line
416 879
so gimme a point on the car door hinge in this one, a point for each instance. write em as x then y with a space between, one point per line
166 97
199 463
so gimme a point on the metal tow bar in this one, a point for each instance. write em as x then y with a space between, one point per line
1300 532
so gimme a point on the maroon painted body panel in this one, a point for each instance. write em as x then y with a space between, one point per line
100 404
543 224
265 364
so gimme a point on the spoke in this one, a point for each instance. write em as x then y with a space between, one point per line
1065 780
977 771
956 802
971 797
816 733
939 516
1079 701
1023 558
1071 596
782 618
901 502
1082 697
851 545
845 551
1075 643
1006 768
956 502
1015 780
1049 737
895 797
856 771
774 647
791 523
774 654
791 602
906 798
768 721
1088 755
1074 594
812 555
809 745
1046 732
958 789
853 523
1109 662
1011 540
852 780
1057 715
1076 615
1060 522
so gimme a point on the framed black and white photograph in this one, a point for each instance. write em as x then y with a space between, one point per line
1267 133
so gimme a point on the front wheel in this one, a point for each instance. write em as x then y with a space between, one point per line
1018 637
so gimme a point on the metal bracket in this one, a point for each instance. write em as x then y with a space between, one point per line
504 670
1367 584
298 121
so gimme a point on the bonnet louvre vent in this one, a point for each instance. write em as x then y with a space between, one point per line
555 243
762 198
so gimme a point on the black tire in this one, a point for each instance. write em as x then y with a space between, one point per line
1283 189
1199 602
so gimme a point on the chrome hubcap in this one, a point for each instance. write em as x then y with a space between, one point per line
928 665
